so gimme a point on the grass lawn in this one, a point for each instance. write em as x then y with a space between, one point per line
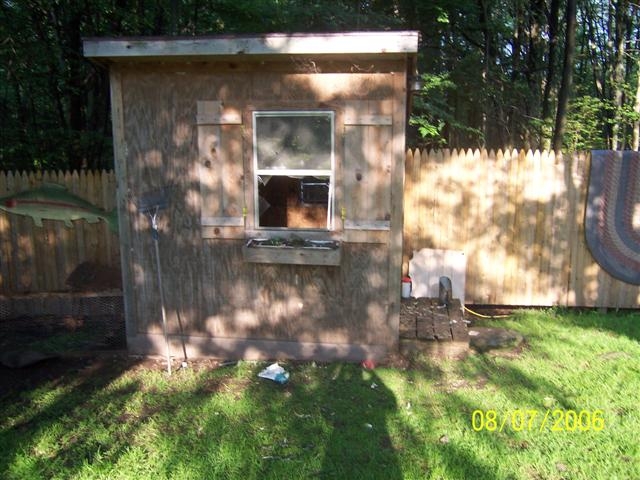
340 421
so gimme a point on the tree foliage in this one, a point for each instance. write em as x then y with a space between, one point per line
492 68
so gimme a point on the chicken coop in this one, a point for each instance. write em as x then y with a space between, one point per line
280 165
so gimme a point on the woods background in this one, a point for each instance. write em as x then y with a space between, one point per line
559 74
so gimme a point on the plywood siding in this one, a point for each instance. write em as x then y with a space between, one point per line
210 290
342 304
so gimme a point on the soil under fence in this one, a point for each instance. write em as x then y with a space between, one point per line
62 323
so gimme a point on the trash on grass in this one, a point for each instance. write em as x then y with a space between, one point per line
276 373
230 363
368 364
548 402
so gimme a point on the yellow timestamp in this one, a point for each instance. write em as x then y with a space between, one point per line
529 420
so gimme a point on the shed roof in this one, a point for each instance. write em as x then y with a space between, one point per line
390 44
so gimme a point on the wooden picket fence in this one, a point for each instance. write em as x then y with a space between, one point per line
34 259
518 216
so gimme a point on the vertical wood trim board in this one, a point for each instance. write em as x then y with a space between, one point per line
122 203
367 165
220 162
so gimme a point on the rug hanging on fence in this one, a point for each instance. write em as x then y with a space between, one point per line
612 220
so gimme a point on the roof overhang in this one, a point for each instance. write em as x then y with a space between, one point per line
389 44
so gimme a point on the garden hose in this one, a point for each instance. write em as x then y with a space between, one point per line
484 316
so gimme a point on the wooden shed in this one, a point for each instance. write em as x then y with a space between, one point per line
282 157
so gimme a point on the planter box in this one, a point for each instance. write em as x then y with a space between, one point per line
306 252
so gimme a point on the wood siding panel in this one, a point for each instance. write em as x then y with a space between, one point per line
317 86
367 166
289 302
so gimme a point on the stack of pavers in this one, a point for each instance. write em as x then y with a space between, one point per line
432 329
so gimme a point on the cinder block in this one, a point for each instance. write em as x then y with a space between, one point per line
424 328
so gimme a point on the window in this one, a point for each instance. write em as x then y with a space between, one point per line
293 159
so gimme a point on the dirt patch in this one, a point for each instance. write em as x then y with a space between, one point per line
99 368
57 347
64 369
497 341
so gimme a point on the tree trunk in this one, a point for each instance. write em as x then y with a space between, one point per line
553 14
535 63
635 138
567 76
485 65
636 109
518 36
75 90
617 77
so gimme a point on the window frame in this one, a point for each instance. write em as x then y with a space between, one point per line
329 173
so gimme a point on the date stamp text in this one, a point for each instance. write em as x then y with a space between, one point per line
529 420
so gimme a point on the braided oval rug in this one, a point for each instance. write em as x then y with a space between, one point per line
612 218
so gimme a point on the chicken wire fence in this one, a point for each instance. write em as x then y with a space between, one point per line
62 323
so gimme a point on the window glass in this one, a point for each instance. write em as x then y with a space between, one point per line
294 140
293 161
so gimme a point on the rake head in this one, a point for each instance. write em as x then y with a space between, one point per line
153 201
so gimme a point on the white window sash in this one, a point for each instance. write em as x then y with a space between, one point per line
295 172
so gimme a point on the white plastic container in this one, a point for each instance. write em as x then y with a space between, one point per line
406 287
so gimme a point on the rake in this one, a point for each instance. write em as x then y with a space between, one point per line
150 204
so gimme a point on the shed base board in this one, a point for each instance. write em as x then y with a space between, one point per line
253 349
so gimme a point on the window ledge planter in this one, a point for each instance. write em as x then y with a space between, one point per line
292 251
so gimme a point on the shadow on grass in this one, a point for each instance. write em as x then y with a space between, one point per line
625 323
341 421
516 385
330 421
49 397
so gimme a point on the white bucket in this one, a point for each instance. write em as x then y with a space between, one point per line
406 287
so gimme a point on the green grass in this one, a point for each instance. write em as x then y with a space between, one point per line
64 342
340 421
